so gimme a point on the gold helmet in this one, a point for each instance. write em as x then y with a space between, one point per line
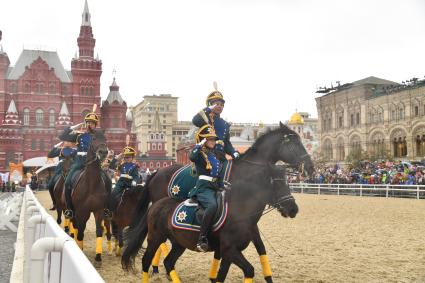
129 151
91 117
205 132
215 95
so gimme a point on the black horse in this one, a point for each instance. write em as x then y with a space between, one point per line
250 193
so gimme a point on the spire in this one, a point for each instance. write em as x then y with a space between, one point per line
12 117
114 94
64 118
86 16
156 122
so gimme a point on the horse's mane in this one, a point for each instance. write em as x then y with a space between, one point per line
260 139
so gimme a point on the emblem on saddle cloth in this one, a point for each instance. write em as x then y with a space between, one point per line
184 216
183 180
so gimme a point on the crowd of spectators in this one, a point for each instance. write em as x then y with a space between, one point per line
385 172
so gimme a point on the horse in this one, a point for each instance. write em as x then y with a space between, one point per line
251 175
90 192
123 215
59 189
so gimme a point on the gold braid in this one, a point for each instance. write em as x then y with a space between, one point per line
204 154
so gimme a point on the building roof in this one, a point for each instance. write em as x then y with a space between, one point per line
296 119
85 21
64 110
28 56
12 108
374 81
114 94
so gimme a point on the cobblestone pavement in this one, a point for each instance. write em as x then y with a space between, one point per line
7 251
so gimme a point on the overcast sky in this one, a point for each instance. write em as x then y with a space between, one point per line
268 56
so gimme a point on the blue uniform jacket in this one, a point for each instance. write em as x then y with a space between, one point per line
221 127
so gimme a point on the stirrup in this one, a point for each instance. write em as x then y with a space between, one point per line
69 214
107 213
202 245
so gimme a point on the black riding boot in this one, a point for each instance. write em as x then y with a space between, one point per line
51 188
202 244
69 212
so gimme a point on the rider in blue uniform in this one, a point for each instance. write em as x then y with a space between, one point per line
63 150
129 176
208 167
211 115
83 140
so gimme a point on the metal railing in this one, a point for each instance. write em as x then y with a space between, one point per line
378 190
44 252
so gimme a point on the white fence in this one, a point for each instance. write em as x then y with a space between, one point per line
386 190
9 210
44 252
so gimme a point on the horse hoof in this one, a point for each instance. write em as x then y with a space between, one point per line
98 258
268 279
155 270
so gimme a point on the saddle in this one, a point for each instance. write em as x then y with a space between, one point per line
76 177
188 214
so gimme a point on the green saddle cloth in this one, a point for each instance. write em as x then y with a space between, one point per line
184 179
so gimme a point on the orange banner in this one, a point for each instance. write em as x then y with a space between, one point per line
16 171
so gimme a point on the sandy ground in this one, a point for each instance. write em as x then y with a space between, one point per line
332 239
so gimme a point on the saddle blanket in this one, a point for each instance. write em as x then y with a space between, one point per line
184 179
184 216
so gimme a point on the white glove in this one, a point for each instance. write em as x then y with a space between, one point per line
133 183
236 155
211 107
201 143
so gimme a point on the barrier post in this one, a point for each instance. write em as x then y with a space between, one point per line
361 189
338 189
417 192
386 191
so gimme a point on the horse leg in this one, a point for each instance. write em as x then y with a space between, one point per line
98 216
155 261
170 261
107 225
80 228
153 245
222 273
120 243
59 216
214 266
261 250
235 256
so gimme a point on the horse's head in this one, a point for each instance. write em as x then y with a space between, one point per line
291 150
98 145
282 198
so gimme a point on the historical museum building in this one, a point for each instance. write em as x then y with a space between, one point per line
381 117
39 97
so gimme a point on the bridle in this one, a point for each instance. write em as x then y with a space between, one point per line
92 149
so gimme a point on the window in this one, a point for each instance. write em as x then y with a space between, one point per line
42 146
52 88
158 165
39 117
115 122
12 88
51 118
39 88
159 146
33 147
352 120
164 164
416 111
340 122
151 164
27 87
154 146
144 164
64 90
91 91
357 118
26 117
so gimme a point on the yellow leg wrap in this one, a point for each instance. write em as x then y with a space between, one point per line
109 246
164 249
118 251
80 244
99 245
145 277
174 277
267 271
214 269
155 260
247 280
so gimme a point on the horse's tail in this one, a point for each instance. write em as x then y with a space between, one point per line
136 233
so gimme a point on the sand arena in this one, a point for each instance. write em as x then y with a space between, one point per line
332 239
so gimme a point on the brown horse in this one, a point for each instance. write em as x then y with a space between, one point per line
250 183
59 189
90 192
123 215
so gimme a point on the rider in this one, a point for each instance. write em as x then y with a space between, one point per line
211 115
208 167
83 140
129 175
62 150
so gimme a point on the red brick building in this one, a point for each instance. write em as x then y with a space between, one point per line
38 98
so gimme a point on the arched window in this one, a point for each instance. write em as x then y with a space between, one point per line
164 164
159 146
33 144
91 91
26 117
144 164
27 87
151 164
42 145
51 118
39 88
154 146
158 164
39 117
340 149
327 150
52 88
